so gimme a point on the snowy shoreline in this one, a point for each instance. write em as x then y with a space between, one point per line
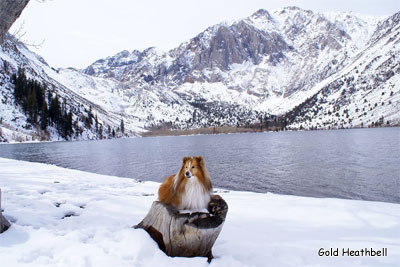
63 217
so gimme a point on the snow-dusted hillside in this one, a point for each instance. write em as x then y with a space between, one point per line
63 217
366 92
77 91
279 63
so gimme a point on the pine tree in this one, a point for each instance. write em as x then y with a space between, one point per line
96 124
77 129
122 126
20 82
55 110
68 124
89 119
32 107
44 116
100 132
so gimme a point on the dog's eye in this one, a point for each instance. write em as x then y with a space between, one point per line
192 167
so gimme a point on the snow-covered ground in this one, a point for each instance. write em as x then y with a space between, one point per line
63 217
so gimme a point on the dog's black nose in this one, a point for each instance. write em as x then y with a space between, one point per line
187 174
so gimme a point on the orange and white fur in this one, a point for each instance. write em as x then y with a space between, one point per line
190 188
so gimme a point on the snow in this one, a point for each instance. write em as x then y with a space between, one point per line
359 26
260 229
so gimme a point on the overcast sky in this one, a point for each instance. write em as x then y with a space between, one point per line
78 32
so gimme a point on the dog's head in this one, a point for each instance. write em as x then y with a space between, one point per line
194 167
191 167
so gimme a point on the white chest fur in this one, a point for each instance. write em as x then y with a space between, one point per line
195 196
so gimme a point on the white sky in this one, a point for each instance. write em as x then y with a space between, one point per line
78 32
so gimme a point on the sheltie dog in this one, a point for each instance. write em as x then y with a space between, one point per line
190 188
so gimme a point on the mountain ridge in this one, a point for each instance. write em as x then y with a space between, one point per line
240 73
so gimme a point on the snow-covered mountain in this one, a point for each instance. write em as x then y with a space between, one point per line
366 92
269 63
319 70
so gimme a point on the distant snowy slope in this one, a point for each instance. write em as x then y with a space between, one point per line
366 92
64 217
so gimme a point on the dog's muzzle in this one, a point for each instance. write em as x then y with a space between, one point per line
188 174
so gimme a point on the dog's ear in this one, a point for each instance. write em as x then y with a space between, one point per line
200 161
185 159
206 175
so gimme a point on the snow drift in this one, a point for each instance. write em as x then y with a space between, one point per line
63 217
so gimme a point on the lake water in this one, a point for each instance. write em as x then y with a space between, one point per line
352 164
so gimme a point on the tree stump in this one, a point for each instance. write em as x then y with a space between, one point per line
4 224
185 234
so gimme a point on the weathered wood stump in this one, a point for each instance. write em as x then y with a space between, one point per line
185 234
4 224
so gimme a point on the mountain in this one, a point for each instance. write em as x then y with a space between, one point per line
364 93
15 123
308 69
268 62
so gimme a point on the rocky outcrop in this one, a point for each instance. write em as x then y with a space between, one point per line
10 10
236 44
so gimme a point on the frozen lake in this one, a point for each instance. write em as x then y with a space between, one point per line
352 164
